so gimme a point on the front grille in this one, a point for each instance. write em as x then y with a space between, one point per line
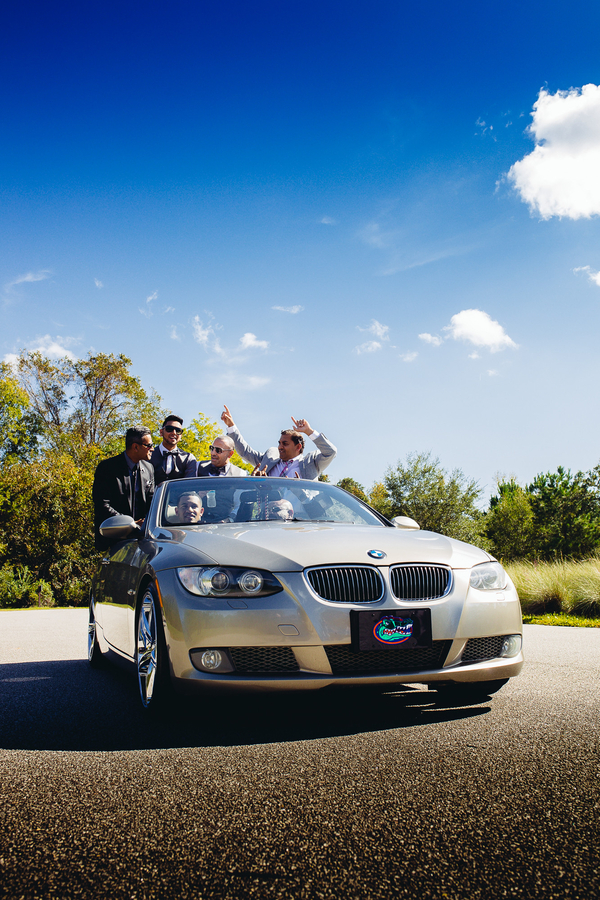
347 584
482 648
250 660
345 661
420 582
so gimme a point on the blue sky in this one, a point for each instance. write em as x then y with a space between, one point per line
328 210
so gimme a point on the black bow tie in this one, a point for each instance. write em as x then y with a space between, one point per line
216 470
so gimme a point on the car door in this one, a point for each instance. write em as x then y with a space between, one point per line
118 602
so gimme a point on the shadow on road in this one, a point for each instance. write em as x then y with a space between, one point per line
69 706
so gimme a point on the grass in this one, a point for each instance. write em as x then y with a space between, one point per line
569 588
561 619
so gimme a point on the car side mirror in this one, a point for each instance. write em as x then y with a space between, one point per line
405 523
118 528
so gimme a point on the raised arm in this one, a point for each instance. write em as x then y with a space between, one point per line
245 450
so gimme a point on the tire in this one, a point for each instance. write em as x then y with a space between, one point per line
95 658
472 692
152 662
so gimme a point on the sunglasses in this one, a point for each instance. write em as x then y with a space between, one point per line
147 446
170 428
217 449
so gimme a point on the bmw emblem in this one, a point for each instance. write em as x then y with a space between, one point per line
376 554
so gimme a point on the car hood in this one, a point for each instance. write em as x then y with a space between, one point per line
281 547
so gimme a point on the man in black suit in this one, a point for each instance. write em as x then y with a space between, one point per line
168 461
124 484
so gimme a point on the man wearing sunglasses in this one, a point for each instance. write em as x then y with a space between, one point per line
169 462
124 484
219 504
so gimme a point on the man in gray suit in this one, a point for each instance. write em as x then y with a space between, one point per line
288 459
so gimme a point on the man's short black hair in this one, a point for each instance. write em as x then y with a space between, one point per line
172 419
134 435
296 436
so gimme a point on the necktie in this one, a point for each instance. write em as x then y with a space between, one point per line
135 474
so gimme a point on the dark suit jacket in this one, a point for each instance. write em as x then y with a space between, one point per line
112 492
184 466
224 499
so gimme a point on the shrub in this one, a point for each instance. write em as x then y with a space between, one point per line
19 588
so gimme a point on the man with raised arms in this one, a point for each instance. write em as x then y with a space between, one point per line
288 459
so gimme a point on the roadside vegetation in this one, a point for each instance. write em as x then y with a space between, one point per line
59 418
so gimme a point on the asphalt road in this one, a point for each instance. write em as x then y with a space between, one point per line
324 795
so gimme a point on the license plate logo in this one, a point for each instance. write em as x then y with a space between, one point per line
393 630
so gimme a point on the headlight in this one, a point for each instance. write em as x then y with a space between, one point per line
489 576
228 581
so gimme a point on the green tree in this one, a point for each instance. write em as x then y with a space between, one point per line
80 402
73 413
353 487
509 523
198 437
379 499
438 500
566 513
20 428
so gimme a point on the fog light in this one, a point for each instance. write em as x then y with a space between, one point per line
511 645
211 659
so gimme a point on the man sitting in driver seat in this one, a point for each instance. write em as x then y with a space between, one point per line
189 509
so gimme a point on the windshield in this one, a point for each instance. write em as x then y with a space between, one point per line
207 501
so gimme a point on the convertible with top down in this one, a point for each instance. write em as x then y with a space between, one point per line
284 584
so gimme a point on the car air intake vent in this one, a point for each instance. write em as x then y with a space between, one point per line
420 582
347 584
346 661
482 648
251 660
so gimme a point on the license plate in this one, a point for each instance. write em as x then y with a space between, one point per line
409 629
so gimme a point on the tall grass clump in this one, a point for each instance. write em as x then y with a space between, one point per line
542 587
561 586
585 588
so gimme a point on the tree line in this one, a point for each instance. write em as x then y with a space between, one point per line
59 418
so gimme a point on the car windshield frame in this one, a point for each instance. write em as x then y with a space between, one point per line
246 501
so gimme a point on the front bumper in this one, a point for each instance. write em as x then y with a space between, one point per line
307 627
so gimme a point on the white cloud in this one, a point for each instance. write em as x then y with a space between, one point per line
250 340
409 357
145 312
53 348
202 335
368 347
174 333
327 220
372 235
478 328
98 283
289 309
377 329
152 297
431 339
474 355
492 372
29 277
224 380
561 177
593 276
168 309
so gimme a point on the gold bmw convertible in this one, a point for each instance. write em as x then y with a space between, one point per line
284 584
